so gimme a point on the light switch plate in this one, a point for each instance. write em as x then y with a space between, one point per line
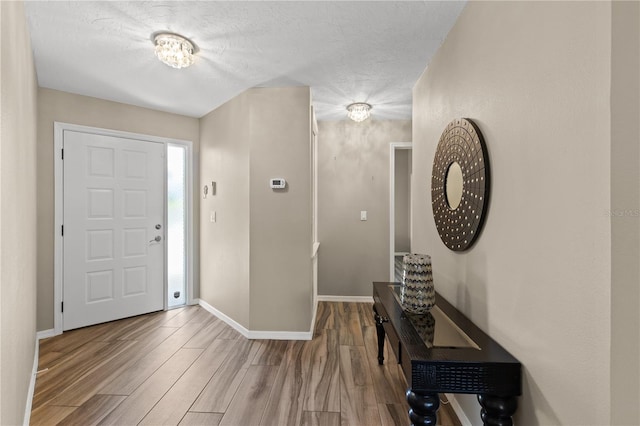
363 215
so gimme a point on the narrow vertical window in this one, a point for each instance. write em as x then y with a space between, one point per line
176 225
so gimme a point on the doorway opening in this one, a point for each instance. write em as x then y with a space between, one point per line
399 207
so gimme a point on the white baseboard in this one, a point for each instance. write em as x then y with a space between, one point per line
32 384
280 335
356 299
462 416
231 322
46 334
256 334
34 372
313 317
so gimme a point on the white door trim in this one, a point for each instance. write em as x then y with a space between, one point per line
393 146
58 140
313 154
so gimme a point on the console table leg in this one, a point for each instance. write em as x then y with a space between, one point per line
424 408
380 331
497 410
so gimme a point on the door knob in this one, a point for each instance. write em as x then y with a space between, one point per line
157 239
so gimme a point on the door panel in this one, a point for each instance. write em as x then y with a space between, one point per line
113 203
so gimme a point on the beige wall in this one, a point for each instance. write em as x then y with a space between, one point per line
256 257
535 78
625 213
18 207
224 245
402 181
280 222
65 107
353 175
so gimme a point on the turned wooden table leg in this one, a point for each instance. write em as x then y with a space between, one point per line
497 410
424 407
380 330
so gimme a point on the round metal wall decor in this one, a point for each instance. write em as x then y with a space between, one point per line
460 184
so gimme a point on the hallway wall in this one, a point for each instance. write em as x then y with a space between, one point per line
18 206
535 77
353 175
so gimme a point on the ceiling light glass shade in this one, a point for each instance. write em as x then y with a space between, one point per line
359 111
173 50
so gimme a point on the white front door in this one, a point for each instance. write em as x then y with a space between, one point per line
113 235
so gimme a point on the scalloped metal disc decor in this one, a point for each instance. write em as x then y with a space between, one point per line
460 143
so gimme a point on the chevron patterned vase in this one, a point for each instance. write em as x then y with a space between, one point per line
417 293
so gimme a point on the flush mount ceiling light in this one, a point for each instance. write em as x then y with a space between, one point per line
174 50
359 111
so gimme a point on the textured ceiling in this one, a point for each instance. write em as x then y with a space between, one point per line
346 51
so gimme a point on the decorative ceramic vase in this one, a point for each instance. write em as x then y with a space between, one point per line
417 294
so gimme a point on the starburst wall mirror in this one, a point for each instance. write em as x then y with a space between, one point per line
460 184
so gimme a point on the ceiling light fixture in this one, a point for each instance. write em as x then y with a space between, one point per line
174 50
359 111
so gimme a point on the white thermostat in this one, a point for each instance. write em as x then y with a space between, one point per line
278 183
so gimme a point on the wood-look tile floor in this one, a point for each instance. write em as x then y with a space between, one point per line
187 367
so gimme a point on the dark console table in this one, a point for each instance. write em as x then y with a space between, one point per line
443 351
